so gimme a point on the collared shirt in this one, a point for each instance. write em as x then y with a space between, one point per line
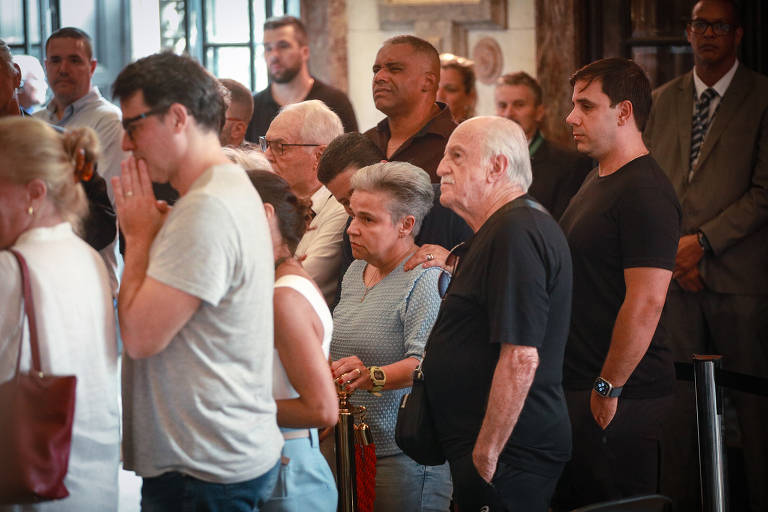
321 244
720 87
104 118
95 112
425 148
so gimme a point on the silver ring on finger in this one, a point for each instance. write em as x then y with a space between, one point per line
430 257
128 193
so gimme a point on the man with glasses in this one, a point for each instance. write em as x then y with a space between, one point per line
708 130
494 359
195 303
69 65
286 51
293 145
239 112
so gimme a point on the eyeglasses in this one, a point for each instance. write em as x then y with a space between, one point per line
451 262
278 147
719 28
129 124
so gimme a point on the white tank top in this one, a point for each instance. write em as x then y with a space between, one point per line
281 386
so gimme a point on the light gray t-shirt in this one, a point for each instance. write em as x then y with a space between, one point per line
203 406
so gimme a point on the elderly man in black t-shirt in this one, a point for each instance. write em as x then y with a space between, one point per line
494 360
622 227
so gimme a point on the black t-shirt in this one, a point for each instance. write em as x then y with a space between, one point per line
265 109
630 218
513 285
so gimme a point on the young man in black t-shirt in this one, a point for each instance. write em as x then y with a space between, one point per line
493 365
622 227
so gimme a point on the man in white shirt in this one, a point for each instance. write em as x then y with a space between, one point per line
294 143
709 132
70 64
195 303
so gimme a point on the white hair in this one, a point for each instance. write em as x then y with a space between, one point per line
408 186
319 124
247 158
506 138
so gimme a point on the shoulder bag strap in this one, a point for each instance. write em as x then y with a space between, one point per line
29 310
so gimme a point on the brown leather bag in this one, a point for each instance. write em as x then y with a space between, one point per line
36 414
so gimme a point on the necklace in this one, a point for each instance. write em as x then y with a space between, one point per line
368 287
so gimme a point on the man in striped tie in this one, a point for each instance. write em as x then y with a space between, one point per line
709 131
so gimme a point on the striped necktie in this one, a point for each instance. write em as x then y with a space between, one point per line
700 125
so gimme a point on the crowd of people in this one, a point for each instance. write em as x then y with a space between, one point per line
272 255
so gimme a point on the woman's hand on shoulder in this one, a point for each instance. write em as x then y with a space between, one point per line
428 255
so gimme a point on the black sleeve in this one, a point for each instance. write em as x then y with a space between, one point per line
100 226
346 261
649 223
346 113
578 168
518 302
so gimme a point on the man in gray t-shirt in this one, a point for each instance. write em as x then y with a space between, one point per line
195 303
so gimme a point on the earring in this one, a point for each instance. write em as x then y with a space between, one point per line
31 210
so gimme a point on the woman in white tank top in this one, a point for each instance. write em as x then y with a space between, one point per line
302 385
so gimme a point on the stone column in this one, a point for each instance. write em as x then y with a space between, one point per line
560 37
326 22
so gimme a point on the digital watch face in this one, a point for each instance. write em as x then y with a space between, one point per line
378 374
602 387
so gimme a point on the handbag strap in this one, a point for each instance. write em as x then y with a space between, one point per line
29 311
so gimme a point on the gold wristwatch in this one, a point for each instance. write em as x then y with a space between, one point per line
378 378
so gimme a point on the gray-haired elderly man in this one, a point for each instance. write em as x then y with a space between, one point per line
502 419
294 143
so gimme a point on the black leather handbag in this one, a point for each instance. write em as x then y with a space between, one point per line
415 431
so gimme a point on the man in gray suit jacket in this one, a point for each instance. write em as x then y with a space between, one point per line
709 131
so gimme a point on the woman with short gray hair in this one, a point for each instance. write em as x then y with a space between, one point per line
382 322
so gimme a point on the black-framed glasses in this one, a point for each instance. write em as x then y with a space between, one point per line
278 147
129 124
449 269
719 28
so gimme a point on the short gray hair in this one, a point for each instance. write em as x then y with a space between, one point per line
250 159
319 124
408 186
506 138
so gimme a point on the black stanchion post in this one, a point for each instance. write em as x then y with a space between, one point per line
709 417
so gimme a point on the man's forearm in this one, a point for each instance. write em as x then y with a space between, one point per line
134 274
635 324
512 379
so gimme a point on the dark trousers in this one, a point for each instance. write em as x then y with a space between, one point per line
618 462
735 326
511 489
177 492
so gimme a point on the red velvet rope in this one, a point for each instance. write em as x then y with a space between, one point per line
365 463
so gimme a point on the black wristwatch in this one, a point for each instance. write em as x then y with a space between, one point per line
703 242
605 388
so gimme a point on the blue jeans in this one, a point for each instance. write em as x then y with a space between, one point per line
177 492
305 481
404 485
